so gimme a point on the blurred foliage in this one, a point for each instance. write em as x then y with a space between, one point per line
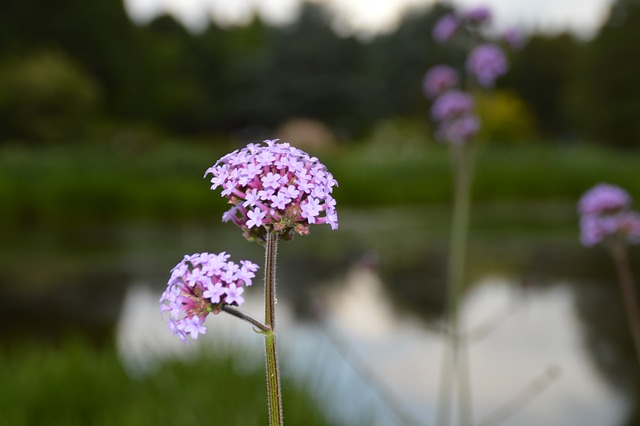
69 187
244 82
505 117
542 74
47 97
610 104
77 384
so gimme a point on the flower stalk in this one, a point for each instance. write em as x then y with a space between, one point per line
619 252
456 368
270 344
276 191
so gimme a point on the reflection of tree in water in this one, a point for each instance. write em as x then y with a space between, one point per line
416 284
413 282
58 284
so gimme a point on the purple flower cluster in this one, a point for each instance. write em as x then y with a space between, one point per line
477 15
605 214
275 186
439 79
453 111
486 63
446 28
513 38
203 283
450 105
603 199
472 19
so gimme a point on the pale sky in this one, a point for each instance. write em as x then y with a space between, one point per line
366 16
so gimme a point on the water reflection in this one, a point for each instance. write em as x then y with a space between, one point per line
362 359
361 338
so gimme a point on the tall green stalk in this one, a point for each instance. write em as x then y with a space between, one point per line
270 344
456 369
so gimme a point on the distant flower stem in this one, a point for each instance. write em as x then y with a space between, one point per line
457 368
629 294
271 350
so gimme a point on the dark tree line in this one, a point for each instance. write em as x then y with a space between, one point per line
70 69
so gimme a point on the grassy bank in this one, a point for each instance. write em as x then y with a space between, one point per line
76 384
66 186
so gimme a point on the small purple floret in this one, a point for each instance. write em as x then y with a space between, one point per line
603 198
605 215
486 63
445 28
513 38
459 130
451 105
439 79
477 15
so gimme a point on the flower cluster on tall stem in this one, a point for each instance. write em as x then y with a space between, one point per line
485 63
453 113
274 186
275 192
606 218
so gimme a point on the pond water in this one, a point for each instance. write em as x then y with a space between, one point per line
360 310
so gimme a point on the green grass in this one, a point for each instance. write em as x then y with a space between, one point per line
76 384
71 186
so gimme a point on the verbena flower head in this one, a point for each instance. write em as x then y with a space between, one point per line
459 130
606 215
445 28
624 226
477 15
513 38
203 283
602 199
451 105
486 63
439 79
275 186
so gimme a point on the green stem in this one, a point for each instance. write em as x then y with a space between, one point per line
629 294
459 227
271 350
248 318
456 369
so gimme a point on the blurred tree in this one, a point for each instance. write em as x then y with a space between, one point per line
181 71
301 70
542 74
397 62
610 87
46 97
97 34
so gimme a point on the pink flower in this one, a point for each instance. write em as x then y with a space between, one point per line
439 79
274 186
603 198
486 63
190 300
605 215
477 15
445 28
451 104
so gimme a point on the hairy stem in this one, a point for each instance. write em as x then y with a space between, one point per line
248 318
271 350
